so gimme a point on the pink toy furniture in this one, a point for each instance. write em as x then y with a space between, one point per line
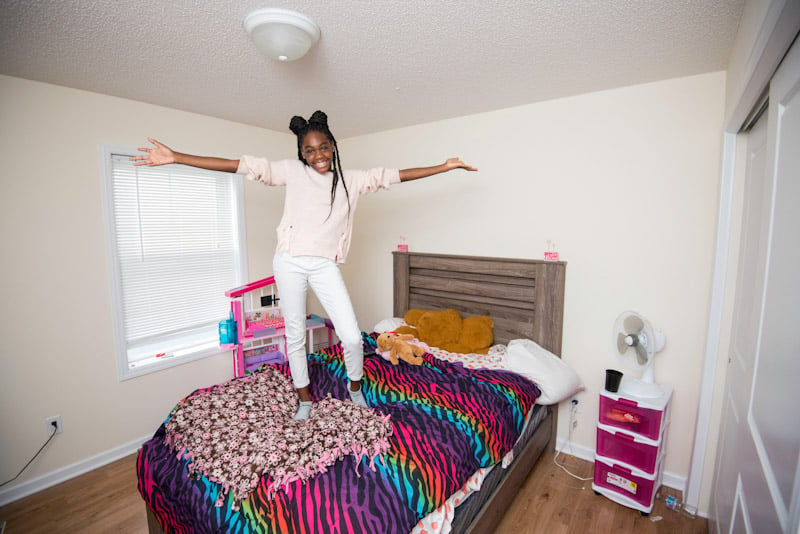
260 328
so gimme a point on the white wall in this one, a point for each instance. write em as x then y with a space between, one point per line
624 182
56 347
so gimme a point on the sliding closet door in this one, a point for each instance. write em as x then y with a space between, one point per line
733 451
757 478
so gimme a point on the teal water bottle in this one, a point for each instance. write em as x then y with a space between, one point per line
227 331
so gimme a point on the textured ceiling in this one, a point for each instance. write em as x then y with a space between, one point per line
380 64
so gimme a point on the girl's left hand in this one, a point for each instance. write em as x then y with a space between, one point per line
456 163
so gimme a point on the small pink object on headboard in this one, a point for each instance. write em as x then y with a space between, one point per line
551 254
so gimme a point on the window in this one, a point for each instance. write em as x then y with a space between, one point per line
176 243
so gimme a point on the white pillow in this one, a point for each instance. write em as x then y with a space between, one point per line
388 325
556 380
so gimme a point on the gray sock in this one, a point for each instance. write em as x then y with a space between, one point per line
358 397
302 411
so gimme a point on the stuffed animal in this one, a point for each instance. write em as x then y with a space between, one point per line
447 330
476 335
397 346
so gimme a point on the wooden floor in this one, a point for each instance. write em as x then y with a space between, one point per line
102 501
550 501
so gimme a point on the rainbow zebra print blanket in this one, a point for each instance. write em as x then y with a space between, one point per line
447 421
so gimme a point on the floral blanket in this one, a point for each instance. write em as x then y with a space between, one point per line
447 421
239 431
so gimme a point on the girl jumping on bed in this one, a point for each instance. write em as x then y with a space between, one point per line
313 234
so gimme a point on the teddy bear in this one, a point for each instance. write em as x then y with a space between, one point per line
476 335
397 346
447 330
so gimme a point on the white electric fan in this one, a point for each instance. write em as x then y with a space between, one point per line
637 343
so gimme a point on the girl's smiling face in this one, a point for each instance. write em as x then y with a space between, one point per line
318 151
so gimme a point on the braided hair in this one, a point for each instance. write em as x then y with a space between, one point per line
318 122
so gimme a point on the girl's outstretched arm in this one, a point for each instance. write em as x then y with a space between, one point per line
162 155
422 172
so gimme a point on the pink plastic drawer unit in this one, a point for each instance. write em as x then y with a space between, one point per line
630 484
630 449
630 415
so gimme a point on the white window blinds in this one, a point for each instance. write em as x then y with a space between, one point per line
177 248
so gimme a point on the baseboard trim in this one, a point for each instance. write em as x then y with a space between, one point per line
52 478
670 480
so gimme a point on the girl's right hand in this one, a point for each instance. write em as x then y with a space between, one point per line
160 155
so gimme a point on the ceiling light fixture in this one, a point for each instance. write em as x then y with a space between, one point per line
281 34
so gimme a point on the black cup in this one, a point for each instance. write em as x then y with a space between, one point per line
613 378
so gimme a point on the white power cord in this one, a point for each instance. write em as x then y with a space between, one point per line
569 442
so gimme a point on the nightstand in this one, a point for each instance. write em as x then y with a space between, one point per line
631 438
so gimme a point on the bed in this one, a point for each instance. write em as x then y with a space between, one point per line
428 461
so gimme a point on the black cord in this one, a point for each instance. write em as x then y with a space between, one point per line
55 431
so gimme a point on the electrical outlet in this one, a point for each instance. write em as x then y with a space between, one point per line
573 411
50 421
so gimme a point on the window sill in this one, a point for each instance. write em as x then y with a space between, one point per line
153 365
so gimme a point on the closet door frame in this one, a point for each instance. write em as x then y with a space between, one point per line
775 36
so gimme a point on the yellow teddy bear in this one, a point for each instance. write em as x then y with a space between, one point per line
397 346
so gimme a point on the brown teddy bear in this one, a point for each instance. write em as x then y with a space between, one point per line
476 335
396 345
447 330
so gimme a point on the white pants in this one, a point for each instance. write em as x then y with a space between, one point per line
293 275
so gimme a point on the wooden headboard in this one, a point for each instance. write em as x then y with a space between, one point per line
525 298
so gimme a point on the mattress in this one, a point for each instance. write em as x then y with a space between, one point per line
448 422
473 503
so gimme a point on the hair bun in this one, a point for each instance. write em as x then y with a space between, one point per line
319 117
297 124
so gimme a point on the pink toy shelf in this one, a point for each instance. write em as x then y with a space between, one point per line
260 328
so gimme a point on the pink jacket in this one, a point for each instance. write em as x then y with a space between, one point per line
305 228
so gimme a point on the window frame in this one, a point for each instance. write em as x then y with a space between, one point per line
124 369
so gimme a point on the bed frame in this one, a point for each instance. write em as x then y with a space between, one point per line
525 299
